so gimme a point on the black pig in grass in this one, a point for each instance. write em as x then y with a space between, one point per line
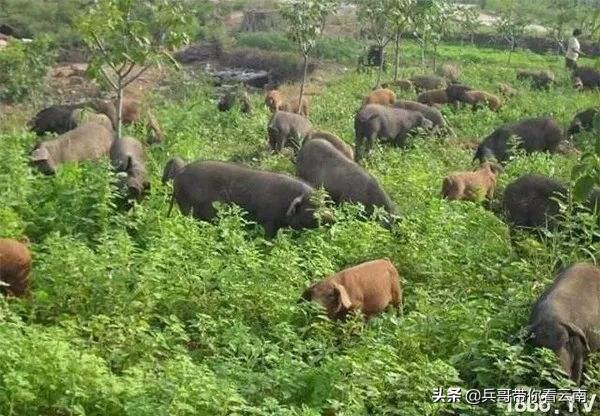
335 141
272 199
128 156
428 82
456 93
566 319
429 112
62 118
228 99
392 124
320 164
584 121
585 78
433 114
531 200
538 79
173 168
287 129
533 135
90 141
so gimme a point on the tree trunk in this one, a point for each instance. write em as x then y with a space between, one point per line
379 72
303 82
397 55
119 107
435 46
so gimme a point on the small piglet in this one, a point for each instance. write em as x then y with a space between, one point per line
471 186
368 287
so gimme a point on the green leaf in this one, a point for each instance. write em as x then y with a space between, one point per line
582 187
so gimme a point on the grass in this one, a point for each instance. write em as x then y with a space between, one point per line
138 313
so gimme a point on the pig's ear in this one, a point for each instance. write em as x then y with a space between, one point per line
294 206
306 295
39 154
496 168
344 303
575 330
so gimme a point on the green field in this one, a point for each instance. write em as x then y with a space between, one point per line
137 313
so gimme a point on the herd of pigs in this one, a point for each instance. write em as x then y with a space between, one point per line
566 318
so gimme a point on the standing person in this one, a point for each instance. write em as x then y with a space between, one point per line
573 50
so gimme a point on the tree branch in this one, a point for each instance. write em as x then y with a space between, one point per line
107 79
121 69
131 66
103 51
136 76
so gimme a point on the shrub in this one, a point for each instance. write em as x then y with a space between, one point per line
54 19
23 67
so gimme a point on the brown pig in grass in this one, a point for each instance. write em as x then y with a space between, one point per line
471 186
476 98
381 96
15 267
277 101
368 288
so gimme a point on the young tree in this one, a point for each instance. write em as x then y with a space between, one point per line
566 12
511 27
399 12
431 24
127 37
377 24
441 11
305 19
468 20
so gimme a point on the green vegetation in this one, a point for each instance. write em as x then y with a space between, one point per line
343 50
54 19
23 67
126 39
305 21
511 26
137 313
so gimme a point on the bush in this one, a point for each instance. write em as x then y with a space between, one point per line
54 19
23 67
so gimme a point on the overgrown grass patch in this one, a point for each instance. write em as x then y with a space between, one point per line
139 313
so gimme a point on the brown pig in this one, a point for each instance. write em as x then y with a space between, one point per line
368 287
277 101
382 96
475 98
470 186
15 267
